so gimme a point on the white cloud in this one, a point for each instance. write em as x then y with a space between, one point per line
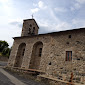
48 27
41 5
80 1
6 5
34 4
16 22
72 8
78 23
63 26
52 14
58 9
4 1
77 5
54 25
34 10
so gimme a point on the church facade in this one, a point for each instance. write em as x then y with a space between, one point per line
57 53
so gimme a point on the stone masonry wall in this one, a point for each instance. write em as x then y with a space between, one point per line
28 50
60 43
54 50
28 26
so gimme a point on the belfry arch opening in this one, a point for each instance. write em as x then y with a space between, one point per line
36 56
20 55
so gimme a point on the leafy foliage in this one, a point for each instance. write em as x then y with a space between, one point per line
4 49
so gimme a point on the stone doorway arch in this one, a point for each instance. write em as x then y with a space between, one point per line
20 55
36 55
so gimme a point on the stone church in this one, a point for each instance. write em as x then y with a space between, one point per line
57 53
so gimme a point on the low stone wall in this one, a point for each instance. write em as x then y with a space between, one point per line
2 58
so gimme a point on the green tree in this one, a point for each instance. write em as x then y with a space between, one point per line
4 49
3 45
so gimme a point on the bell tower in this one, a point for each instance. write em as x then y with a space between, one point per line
29 28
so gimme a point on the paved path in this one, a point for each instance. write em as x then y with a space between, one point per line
8 78
4 80
12 79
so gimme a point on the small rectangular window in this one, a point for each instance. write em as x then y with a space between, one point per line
68 55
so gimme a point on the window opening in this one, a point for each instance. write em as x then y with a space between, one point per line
50 63
33 30
69 36
23 52
30 25
29 31
68 55
40 52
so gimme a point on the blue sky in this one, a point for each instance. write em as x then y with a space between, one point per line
51 16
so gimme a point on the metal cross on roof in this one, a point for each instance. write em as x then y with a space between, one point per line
32 16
